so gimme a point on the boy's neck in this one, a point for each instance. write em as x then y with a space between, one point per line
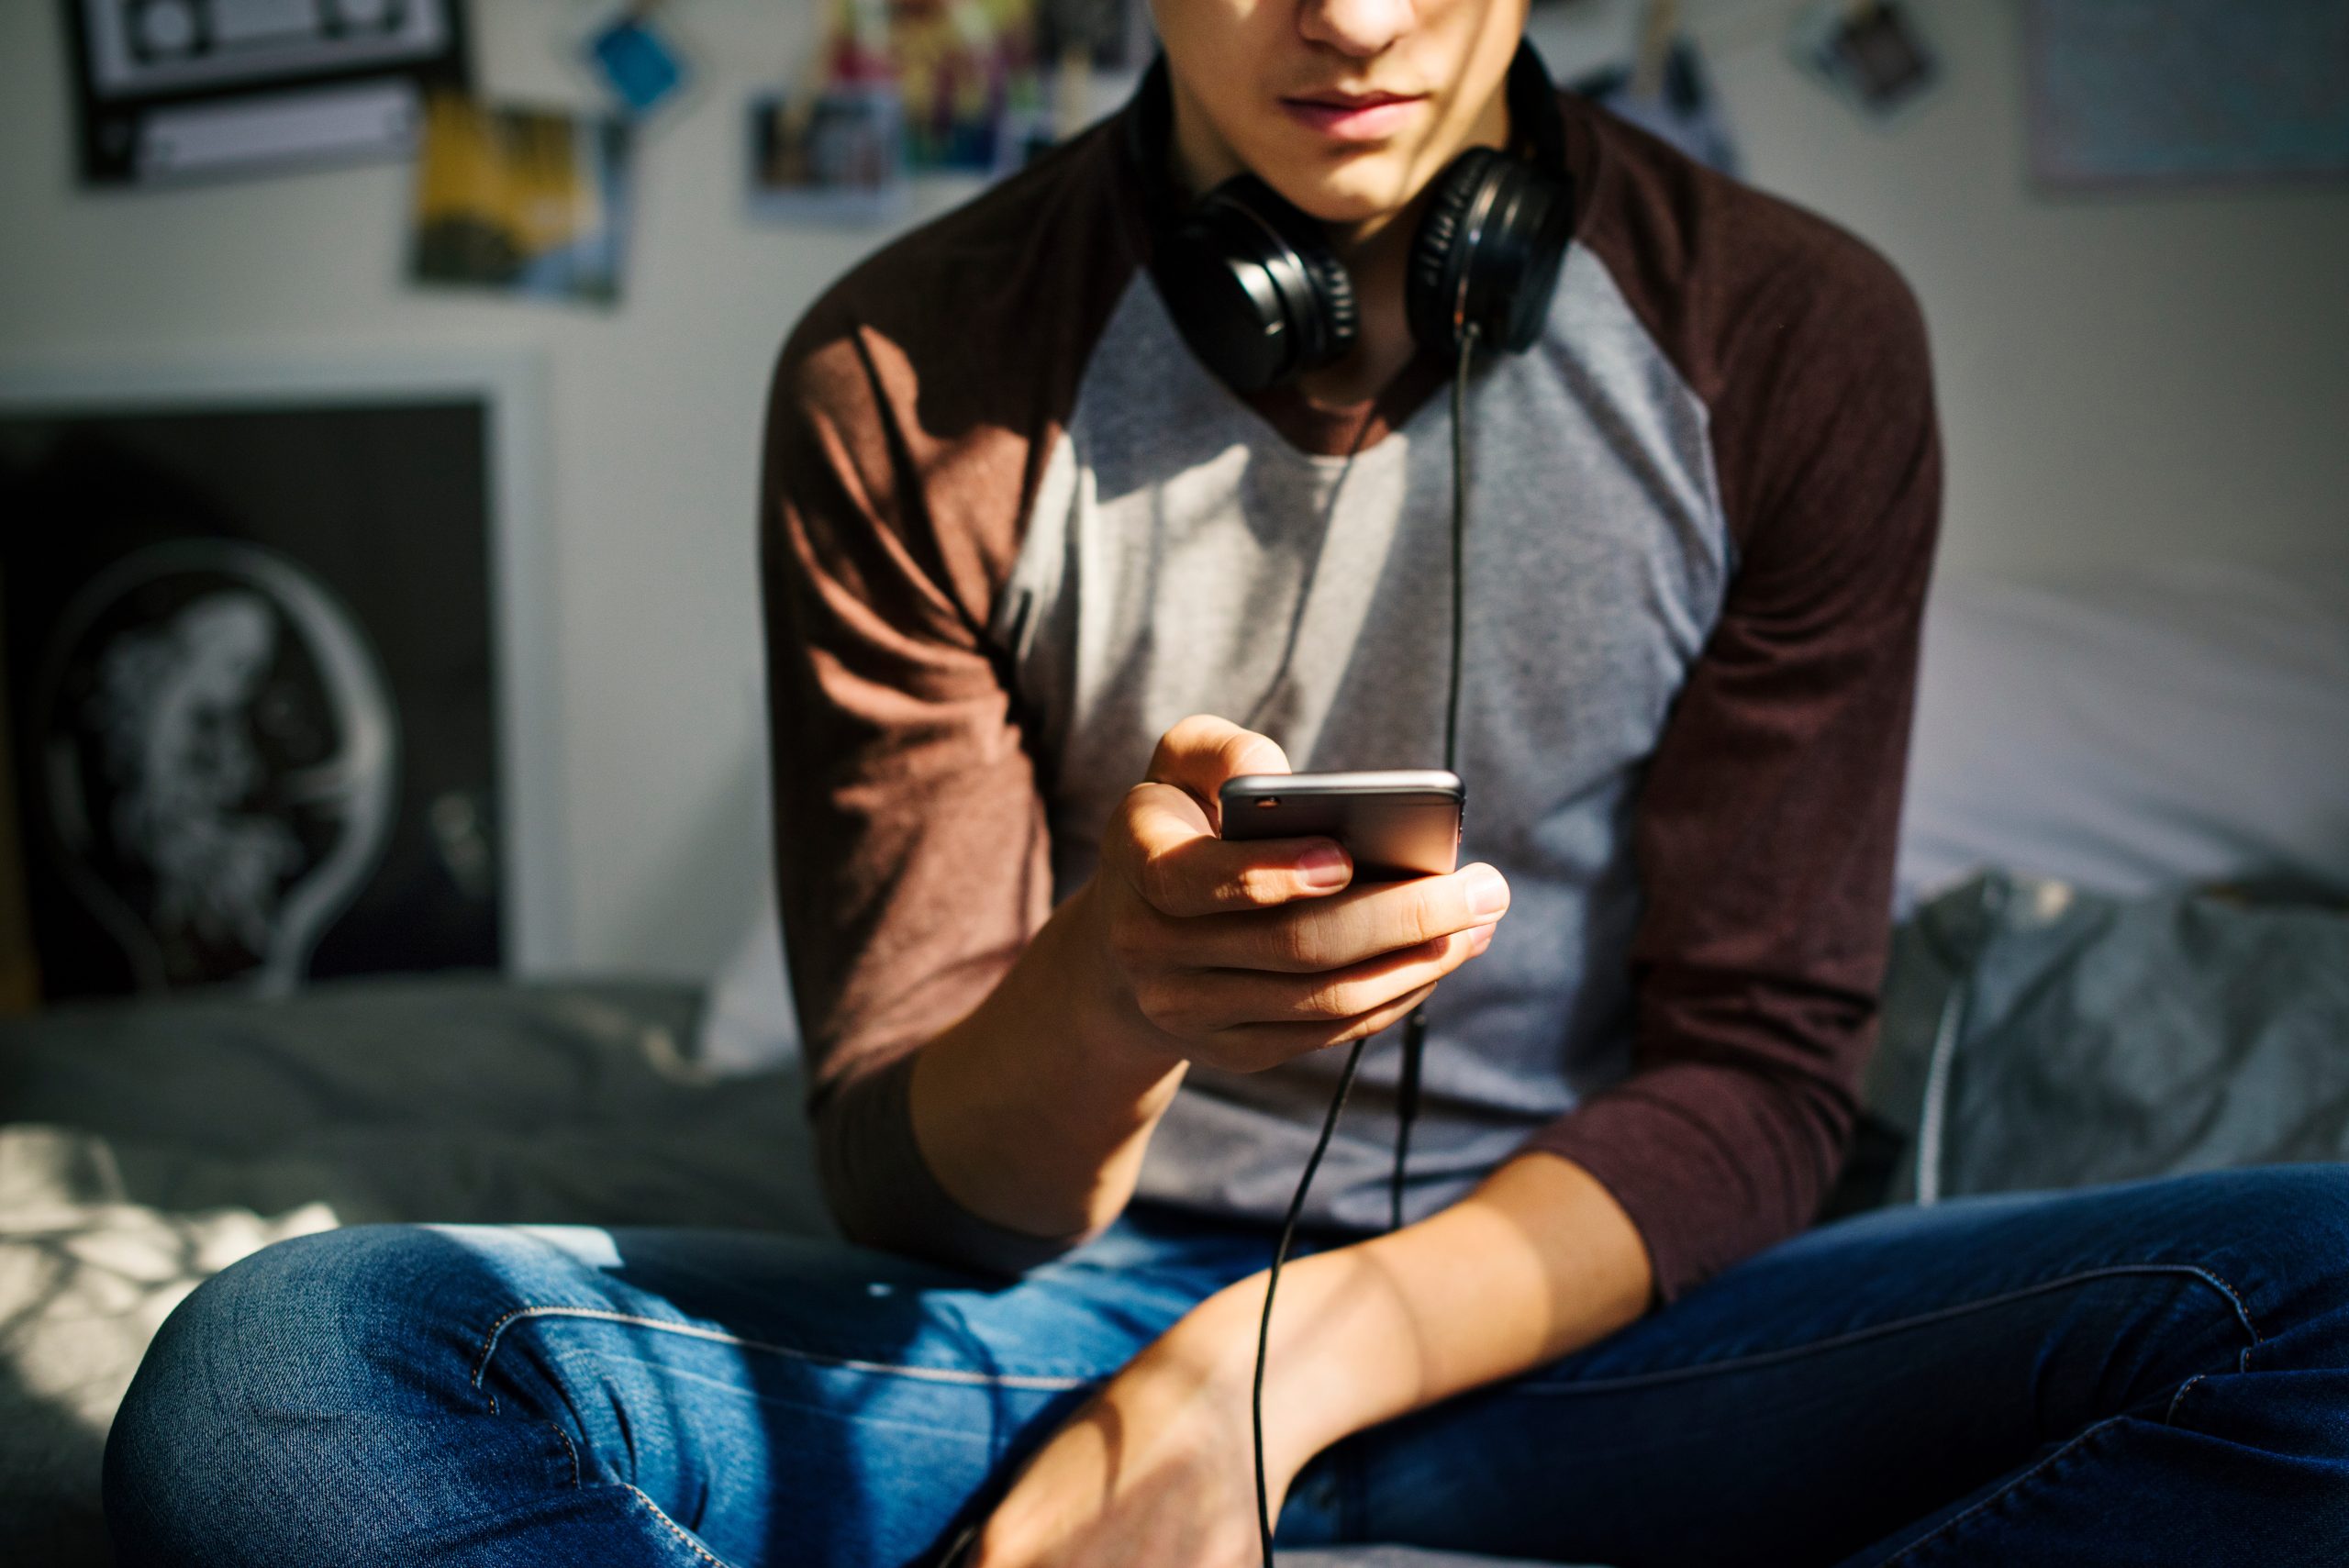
1378 260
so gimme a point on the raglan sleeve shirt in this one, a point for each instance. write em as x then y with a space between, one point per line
912 850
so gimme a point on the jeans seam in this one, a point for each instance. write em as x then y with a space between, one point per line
1942 1530
1898 1325
692 1545
954 1375
572 1449
2169 1417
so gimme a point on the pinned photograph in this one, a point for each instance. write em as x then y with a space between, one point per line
835 155
529 201
959 62
1032 126
1870 52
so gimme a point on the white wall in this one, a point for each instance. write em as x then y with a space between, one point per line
2159 375
2156 375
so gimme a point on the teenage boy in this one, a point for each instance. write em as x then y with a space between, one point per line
1038 582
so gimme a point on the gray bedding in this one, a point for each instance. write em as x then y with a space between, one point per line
2037 1037
144 1149
2033 1037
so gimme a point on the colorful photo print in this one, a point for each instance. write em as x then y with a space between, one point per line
638 59
533 202
962 65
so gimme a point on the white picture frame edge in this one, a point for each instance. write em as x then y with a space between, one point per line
535 927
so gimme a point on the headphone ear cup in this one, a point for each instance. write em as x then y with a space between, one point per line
1488 252
1431 283
1333 289
1253 286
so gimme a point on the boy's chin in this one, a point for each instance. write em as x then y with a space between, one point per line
1365 190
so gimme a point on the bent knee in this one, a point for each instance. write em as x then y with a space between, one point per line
226 1406
2274 1242
2280 1234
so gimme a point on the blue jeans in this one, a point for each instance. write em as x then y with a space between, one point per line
2157 1373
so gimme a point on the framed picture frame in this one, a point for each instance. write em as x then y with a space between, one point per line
447 632
2172 93
174 90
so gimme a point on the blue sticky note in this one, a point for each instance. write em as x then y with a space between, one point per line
638 62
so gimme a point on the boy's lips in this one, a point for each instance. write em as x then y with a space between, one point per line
1353 116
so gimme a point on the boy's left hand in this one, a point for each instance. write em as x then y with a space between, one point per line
1157 1470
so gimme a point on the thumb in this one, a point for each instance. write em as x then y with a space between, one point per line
1198 755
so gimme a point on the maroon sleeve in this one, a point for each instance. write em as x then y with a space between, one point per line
910 417
909 838
1767 817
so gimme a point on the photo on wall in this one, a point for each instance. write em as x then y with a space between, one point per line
836 155
250 685
529 201
1098 35
1871 53
962 65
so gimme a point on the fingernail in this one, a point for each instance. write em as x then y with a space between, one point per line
1481 939
1488 893
1324 865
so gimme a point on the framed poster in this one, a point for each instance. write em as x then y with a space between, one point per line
2147 93
175 89
278 682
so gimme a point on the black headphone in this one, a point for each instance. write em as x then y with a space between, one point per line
1261 298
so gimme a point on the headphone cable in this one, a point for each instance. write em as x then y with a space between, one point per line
1406 1089
1415 1028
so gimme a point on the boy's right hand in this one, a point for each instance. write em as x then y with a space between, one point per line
1242 955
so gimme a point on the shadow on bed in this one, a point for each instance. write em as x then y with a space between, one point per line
52 1439
144 1147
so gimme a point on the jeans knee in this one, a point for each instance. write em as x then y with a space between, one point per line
2274 1240
217 1418
2287 1232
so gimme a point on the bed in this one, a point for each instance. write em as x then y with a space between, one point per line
2123 943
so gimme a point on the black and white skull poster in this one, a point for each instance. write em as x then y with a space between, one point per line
250 693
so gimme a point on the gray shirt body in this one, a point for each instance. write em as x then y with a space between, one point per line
1183 557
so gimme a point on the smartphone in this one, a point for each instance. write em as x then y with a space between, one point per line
1401 823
